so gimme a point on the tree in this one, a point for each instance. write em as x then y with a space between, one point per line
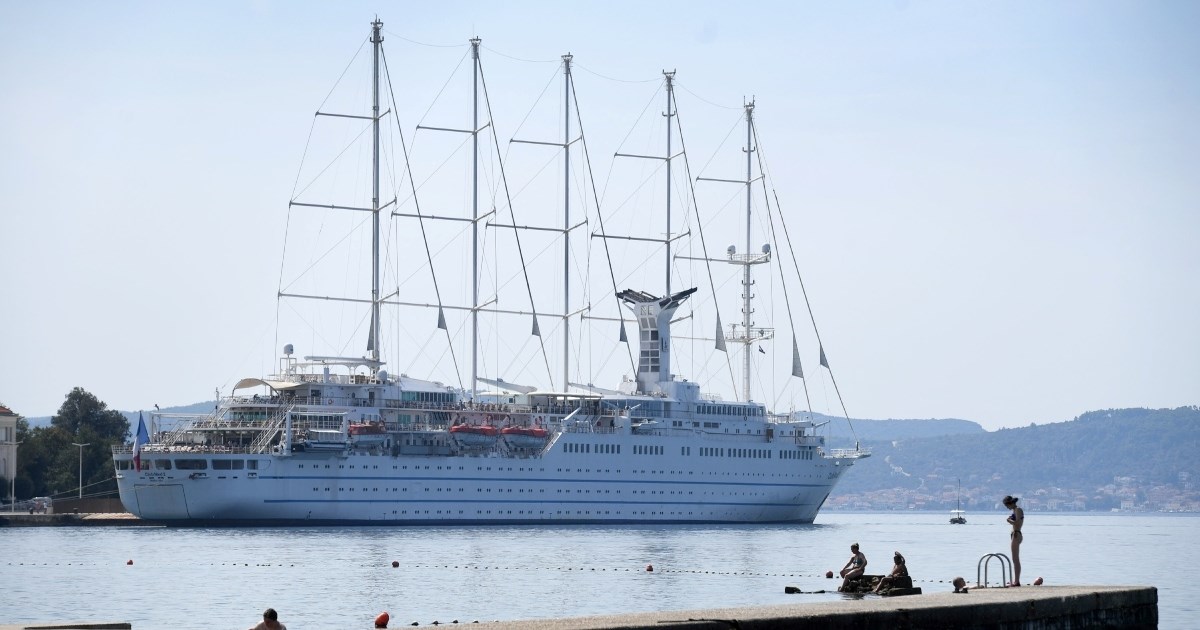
48 462
82 412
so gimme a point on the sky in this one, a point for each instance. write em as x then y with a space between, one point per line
997 204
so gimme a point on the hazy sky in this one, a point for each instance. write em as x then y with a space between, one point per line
1000 202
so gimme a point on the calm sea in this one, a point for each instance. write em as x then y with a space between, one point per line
342 577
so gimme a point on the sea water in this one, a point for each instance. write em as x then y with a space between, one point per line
343 577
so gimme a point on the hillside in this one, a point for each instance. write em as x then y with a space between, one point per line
1100 460
841 436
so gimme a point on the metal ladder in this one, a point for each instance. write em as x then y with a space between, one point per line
1006 570
273 428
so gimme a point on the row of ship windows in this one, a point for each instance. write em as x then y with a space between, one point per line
678 472
190 464
253 464
729 410
602 449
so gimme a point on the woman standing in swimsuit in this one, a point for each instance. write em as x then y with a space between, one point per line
1016 519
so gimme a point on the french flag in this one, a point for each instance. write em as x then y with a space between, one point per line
139 440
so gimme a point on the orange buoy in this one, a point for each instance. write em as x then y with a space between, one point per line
382 620
395 564
649 567
128 562
1037 582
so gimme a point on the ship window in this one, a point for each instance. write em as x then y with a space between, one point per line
222 464
252 464
162 464
191 464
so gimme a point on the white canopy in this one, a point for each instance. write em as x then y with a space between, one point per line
275 385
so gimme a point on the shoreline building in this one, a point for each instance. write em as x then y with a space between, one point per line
8 450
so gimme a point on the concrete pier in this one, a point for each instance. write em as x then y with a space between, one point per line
1024 608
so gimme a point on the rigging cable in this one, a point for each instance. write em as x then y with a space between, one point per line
787 299
420 219
804 291
687 165
600 217
516 235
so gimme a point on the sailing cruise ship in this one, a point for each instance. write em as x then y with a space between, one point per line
331 439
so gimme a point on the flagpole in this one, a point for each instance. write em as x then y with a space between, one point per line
140 439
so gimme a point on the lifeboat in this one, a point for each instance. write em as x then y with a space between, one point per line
475 435
367 428
367 433
525 437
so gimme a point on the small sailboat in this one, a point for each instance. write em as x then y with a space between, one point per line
957 515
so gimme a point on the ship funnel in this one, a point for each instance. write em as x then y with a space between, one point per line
654 325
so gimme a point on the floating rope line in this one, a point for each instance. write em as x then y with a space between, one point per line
494 568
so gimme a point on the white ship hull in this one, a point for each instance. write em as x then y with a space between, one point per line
746 483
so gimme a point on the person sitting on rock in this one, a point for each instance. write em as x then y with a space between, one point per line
900 569
854 567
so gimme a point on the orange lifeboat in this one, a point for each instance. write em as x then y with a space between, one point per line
474 435
525 437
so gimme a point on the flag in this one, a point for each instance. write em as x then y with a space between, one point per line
797 369
824 361
139 440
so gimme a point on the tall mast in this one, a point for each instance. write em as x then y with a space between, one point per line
376 41
566 219
475 222
748 335
670 76
747 283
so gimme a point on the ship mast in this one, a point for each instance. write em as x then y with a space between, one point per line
747 282
376 41
747 335
475 218
566 219
670 77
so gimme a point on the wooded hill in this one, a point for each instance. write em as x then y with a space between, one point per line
1151 446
